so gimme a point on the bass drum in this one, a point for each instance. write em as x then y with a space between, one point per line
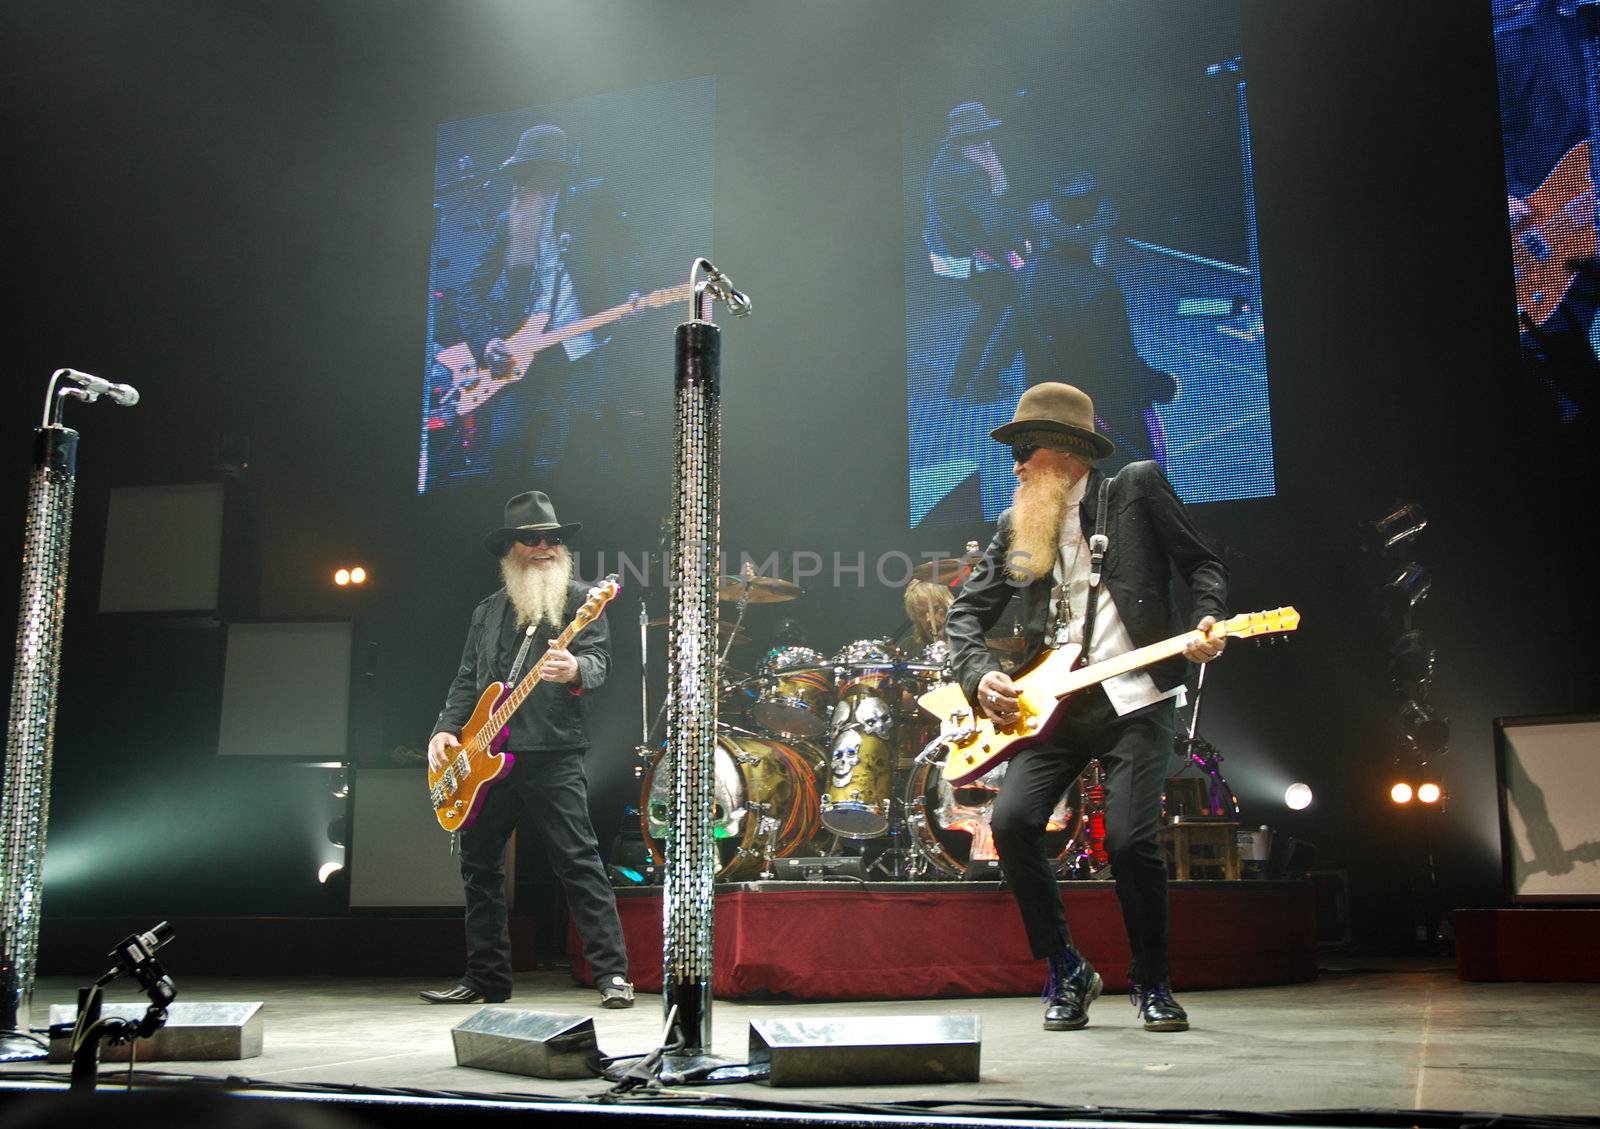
949 827
763 804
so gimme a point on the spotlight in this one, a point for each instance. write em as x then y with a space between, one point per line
1396 527
1406 588
1423 726
1297 796
1411 660
342 577
327 870
1401 793
336 830
358 575
341 783
1429 792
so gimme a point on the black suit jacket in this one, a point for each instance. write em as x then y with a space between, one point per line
552 717
1151 538
495 300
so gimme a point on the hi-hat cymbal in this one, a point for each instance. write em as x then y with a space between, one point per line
762 589
1006 644
723 627
946 570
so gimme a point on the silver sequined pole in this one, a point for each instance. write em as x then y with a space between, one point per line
31 735
692 686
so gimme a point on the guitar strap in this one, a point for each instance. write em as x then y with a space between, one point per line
1098 544
522 654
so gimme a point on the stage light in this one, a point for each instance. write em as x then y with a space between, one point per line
358 575
1395 528
1401 793
1411 660
336 830
1429 792
342 577
1424 727
1406 588
327 870
1297 796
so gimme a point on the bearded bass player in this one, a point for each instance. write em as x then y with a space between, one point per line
547 738
1044 549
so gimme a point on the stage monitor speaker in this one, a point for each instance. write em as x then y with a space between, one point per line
195 1032
815 868
1549 775
286 691
535 1044
867 1049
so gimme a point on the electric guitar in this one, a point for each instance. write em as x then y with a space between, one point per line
458 790
1558 229
977 743
472 386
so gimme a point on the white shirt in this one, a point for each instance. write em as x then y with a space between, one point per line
1127 692
553 277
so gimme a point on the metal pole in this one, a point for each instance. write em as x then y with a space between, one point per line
31 737
692 687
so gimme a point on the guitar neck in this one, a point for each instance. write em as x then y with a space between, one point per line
1087 676
658 298
530 682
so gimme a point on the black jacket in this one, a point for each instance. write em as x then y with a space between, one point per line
553 716
495 300
1151 537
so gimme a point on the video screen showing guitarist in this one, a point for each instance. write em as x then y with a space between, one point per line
558 253
548 736
1045 550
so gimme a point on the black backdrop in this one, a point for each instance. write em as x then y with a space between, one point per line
227 205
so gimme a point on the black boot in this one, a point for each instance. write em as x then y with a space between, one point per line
1072 986
1158 1009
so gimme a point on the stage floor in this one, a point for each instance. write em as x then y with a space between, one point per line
1406 1037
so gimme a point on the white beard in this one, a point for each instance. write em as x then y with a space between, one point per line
539 595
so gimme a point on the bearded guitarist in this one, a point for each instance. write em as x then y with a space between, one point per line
558 252
1045 550
548 737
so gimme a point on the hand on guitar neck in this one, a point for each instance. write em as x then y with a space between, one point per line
999 698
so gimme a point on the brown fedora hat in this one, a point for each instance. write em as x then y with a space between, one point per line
527 511
1055 415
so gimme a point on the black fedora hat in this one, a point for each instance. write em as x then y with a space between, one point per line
969 120
540 149
527 512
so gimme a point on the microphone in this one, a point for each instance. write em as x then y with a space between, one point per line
721 285
124 394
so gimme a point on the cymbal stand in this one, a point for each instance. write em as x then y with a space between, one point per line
1205 756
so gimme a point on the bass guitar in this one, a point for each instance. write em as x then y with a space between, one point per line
977 744
472 386
1554 233
458 790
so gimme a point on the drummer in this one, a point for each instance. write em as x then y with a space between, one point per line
927 604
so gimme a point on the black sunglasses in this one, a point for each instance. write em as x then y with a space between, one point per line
532 537
1022 452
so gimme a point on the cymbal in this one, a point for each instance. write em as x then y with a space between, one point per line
1006 644
762 589
945 569
723 627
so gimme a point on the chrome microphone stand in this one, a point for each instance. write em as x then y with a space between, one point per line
688 893
30 738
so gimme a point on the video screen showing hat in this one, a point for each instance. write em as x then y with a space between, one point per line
1079 208
562 235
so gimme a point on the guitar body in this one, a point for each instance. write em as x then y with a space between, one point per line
980 745
1560 227
466 779
471 387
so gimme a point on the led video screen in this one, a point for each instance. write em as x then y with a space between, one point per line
1549 105
1079 207
562 240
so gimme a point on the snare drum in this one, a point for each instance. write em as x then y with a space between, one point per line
764 804
796 689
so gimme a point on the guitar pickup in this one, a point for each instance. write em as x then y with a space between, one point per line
461 767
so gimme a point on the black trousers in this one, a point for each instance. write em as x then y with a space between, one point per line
1134 751
552 788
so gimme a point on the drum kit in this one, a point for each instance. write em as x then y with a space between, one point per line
828 754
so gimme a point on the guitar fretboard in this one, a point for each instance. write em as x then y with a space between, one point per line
1125 663
539 340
